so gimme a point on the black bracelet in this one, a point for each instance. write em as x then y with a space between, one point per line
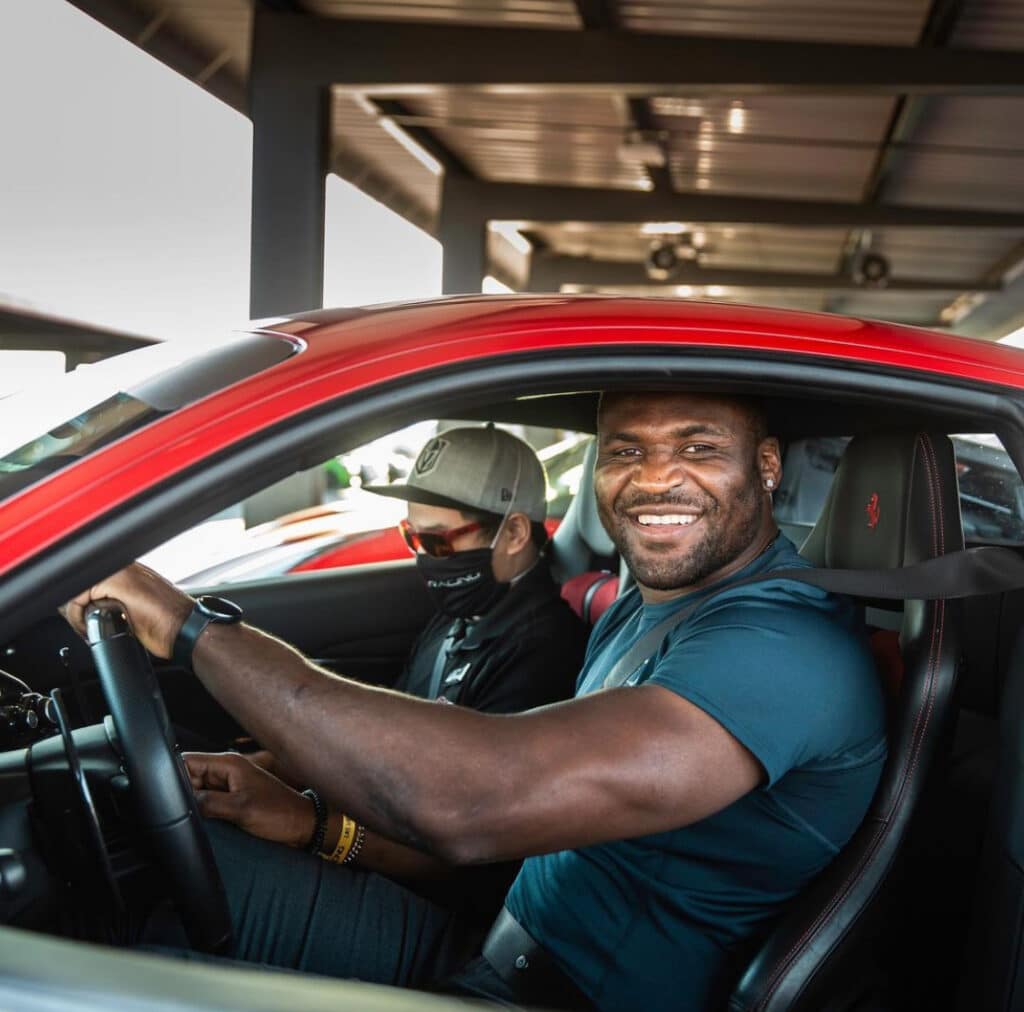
316 841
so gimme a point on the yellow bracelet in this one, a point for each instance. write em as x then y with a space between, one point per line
346 838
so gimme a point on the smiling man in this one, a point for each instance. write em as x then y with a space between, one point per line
666 815
678 536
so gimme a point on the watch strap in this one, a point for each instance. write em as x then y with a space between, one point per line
191 629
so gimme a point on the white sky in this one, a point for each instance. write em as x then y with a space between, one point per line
125 191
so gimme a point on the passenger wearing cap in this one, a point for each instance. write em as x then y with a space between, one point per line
503 640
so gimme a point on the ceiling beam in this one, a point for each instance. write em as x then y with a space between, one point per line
395 110
549 273
528 202
598 14
909 111
167 44
595 13
392 57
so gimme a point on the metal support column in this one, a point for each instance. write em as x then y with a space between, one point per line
289 109
462 232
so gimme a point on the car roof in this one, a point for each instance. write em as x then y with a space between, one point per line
350 351
440 326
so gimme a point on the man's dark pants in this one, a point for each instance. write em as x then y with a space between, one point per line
296 911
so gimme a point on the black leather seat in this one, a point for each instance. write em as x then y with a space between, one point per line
894 502
993 977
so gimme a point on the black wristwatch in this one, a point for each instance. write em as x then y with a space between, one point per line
207 609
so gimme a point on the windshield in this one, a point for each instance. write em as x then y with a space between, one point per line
43 430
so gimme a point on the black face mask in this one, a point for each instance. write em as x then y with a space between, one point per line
462 585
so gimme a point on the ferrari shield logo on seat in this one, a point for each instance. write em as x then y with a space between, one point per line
873 511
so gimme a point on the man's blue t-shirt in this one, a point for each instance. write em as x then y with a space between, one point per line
657 922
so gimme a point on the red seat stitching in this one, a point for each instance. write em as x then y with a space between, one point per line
917 737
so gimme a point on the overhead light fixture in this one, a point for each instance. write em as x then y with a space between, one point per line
960 307
684 291
665 257
664 228
737 120
662 260
642 148
873 270
672 105
714 291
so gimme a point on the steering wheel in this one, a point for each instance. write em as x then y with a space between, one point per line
163 795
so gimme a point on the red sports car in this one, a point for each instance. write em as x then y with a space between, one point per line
910 438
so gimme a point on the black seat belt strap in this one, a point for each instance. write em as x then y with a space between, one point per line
966 573
456 631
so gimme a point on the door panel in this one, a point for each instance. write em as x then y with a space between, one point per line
360 622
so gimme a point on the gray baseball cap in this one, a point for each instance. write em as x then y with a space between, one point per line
476 468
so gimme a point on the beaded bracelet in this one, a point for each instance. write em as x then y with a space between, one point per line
316 841
350 842
357 844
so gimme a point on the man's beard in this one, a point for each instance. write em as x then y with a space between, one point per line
724 539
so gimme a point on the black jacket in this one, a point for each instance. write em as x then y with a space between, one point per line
525 652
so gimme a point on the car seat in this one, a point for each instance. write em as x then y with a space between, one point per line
583 556
993 977
893 502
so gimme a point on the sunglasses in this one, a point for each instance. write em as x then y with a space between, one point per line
437 544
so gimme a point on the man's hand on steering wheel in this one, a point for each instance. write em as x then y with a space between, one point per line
157 609
229 786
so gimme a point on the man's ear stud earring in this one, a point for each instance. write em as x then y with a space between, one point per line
769 483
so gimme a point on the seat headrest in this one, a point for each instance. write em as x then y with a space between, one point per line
894 501
580 543
583 511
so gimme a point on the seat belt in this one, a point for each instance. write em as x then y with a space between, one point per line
456 633
965 573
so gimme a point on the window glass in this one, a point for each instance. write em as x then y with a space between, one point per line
96 404
991 491
324 519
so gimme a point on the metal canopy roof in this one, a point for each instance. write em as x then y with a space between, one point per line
23 329
793 136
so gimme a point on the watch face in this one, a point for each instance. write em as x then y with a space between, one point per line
219 609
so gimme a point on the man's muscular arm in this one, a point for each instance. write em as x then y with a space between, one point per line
249 792
466 786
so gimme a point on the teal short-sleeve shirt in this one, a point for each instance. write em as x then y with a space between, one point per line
658 922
